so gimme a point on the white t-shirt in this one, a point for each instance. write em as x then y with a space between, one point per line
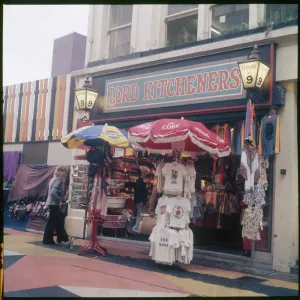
184 253
163 244
160 178
174 174
179 210
161 211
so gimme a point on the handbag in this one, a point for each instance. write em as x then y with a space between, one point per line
147 224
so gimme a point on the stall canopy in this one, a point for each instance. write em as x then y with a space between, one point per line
31 181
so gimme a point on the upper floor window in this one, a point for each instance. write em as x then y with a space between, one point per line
120 30
228 18
281 12
181 24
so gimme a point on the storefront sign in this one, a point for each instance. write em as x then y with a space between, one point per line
209 82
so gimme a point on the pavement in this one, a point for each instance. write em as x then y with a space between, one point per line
32 269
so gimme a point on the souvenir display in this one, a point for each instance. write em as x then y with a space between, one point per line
80 185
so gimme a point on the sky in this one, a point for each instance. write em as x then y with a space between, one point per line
28 37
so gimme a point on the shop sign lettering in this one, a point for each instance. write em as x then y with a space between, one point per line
202 83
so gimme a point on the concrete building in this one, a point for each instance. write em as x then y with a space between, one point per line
68 54
127 45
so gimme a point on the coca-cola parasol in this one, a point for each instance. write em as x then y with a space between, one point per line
165 135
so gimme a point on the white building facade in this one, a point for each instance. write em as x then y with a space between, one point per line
131 40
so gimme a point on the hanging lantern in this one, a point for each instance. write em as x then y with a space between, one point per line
253 71
86 96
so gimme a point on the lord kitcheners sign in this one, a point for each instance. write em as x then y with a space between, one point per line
219 81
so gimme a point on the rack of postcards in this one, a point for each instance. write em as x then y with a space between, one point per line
79 186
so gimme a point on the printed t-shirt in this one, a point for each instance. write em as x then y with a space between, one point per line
161 211
179 210
163 244
174 174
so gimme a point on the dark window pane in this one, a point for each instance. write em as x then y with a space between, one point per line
229 17
281 12
177 8
182 31
120 42
120 15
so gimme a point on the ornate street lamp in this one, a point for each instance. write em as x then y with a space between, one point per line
86 96
253 71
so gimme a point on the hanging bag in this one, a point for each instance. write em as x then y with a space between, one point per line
147 224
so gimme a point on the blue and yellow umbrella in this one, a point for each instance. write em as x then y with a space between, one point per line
95 136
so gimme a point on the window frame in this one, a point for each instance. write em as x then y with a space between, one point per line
114 29
211 15
176 16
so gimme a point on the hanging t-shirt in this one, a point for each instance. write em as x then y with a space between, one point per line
179 210
174 174
161 211
165 241
269 141
238 137
184 253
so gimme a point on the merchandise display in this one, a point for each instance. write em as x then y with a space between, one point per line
79 186
171 239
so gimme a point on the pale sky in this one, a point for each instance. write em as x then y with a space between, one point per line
28 36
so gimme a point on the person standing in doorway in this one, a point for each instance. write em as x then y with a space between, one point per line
140 200
56 217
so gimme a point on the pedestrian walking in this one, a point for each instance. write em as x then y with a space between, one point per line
140 199
56 216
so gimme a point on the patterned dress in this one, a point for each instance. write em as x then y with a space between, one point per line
252 223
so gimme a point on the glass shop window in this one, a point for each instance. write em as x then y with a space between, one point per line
229 18
181 24
278 13
120 30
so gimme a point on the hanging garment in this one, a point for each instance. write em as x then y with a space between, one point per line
160 177
249 168
174 173
252 223
238 137
11 160
269 139
222 131
189 184
234 203
164 241
263 166
161 211
259 196
250 124
179 210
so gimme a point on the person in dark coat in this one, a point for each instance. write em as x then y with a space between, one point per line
140 200
56 216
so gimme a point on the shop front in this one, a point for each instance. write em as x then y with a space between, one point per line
209 89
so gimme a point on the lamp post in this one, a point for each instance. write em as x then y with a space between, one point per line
86 96
253 72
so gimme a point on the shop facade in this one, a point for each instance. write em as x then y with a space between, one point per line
202 83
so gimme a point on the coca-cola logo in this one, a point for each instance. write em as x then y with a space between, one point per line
145 126
202 132
170 126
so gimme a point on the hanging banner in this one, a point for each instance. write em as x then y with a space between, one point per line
208 82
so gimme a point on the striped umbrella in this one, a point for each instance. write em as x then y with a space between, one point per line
95 136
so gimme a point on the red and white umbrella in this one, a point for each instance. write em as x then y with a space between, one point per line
165 135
